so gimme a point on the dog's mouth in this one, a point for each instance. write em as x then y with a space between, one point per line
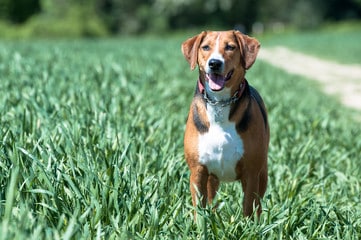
217 81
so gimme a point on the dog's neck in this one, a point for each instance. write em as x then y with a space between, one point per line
222 98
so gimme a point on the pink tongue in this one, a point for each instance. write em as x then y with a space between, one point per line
216 82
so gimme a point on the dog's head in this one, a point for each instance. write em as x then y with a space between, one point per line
222 57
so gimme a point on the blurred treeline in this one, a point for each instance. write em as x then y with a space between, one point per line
26 18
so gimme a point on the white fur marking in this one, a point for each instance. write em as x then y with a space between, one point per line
215 55
221 147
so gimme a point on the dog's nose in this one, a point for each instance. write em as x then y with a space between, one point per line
215 64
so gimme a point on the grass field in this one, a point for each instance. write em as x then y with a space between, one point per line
91 148
339 43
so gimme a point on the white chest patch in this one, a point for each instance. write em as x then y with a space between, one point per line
221 147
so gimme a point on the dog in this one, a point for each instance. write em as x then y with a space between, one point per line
227 132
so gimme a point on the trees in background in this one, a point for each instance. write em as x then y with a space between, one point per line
19 11
97 17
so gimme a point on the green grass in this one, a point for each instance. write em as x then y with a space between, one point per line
91 148
339 43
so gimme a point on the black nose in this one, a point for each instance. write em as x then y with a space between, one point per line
215 64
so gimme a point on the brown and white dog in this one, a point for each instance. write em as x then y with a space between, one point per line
227 132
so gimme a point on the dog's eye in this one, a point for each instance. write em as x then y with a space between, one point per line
206 48
230 47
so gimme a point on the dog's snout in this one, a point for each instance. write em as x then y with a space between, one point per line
215 64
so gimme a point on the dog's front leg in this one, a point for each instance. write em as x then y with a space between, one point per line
251 195
212 187
198 185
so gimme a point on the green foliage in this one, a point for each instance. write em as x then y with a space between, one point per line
18 11
58 20
76 21
91 147
74 18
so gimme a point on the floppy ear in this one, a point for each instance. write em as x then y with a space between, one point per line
190 49
250 48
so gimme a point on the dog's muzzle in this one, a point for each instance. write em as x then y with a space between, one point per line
216 80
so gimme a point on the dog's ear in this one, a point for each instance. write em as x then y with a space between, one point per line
250 47
190 49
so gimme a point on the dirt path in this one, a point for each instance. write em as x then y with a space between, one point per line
343 81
